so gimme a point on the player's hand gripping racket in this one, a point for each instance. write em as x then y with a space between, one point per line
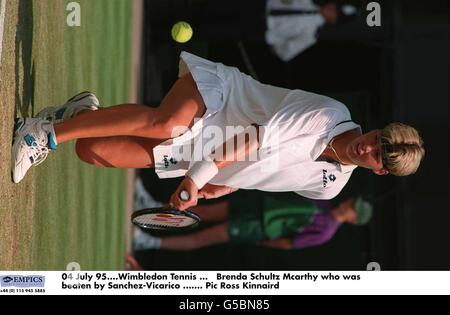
166 219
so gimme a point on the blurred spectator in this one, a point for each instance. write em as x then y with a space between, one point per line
292 25
281 220
131 264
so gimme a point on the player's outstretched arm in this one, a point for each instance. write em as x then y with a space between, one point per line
242 147
210 191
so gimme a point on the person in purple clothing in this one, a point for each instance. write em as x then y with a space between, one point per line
281 220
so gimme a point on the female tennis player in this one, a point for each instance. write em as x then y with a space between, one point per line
303 142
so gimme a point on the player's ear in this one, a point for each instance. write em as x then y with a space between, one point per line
381 172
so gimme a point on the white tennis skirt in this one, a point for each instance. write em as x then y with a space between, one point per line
210 82
232 98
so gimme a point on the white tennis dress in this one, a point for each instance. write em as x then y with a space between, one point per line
296 127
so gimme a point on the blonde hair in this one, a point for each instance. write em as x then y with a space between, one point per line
402 149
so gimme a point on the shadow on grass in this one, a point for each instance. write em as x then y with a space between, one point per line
24 95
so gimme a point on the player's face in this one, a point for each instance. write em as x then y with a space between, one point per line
365 151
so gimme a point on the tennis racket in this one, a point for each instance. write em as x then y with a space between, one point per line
166 219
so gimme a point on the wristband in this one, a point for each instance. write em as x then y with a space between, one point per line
202 172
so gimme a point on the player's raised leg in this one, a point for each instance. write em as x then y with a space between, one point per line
35 138
117 152
181 105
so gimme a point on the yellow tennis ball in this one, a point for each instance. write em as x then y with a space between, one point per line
182 32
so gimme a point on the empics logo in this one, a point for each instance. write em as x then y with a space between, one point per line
7 279
23 281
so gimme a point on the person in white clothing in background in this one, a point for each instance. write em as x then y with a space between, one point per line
292 25
295 140
289 27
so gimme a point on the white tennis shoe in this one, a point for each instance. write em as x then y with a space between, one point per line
33 139
80 102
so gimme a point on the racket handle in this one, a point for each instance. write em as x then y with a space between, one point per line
184 195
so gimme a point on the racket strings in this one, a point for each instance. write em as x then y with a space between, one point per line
151 223
154 226
155 221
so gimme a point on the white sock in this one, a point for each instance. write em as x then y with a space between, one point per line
52 143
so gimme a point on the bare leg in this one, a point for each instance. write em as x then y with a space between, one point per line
119 152
217 212
217 234
181 105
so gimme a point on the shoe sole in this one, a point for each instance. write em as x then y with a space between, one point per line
76 98
17 128
81 96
